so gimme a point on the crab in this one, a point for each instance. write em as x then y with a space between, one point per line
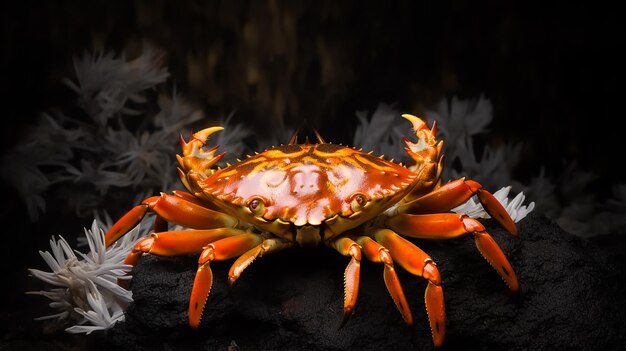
318 194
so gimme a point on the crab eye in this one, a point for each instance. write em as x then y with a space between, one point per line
257 206
358 202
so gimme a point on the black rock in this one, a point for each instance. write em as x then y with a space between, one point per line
571 298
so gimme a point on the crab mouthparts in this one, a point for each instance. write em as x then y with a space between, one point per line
308 235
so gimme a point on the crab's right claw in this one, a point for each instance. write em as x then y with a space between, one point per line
194 157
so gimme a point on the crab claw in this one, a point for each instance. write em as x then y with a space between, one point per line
418 123
427 149
194 157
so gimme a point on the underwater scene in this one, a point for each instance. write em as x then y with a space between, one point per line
269 175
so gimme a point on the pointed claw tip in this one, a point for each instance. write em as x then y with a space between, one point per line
513 286
508 224
409 322
195 319
410 117
206 132
437 343
345 317
516 293
417 122
435 309
438 333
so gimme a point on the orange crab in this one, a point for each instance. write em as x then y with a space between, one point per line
311 194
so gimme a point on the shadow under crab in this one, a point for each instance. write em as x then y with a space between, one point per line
570 298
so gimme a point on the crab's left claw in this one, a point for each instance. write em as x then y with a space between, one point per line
426 153
426 149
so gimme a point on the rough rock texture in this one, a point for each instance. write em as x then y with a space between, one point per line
571 298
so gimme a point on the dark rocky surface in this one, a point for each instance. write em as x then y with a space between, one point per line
571 298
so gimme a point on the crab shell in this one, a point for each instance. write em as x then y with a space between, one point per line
306 193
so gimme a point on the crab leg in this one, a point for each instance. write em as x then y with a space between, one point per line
450 225
349 247
455 193
191 198
220 250
418 263
178 242
379 254
266 247
172 208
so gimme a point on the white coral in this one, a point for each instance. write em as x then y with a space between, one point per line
105 83
459 119
382 132
85 285
516 208
109 151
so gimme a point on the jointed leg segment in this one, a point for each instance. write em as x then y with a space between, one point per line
384 246
378 253
418 263
349 247
455 193
177 208
268 246
214 245
220 250
450 225
178 242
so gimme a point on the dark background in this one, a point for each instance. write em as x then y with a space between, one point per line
553 72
